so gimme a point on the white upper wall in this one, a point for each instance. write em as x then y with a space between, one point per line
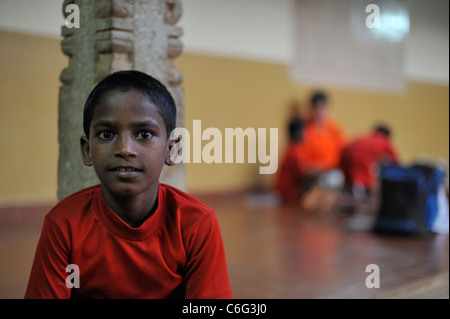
39 17
257 29
427 48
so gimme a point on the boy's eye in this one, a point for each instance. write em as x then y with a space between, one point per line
105 135
144 135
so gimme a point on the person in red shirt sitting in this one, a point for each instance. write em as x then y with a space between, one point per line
289 176
131 236
360 159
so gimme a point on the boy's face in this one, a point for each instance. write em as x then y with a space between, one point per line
127 144
320 111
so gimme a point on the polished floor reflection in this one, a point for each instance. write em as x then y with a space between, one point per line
278 252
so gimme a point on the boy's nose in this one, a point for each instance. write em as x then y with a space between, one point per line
125 147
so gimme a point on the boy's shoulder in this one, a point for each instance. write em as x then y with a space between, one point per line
189 209
188 212
74 204
178 199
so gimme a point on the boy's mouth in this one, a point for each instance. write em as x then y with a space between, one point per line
125 171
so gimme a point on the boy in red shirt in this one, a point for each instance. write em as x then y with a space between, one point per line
360 158
130 236
288 179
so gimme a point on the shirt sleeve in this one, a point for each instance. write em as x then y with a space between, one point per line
393 156
48 273
206 274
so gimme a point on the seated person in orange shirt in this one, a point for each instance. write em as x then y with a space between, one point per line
294 182
324 138
323 141
361 157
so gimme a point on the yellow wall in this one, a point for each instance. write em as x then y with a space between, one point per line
29 82
220 92
230 93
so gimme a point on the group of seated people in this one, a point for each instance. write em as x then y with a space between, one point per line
320 158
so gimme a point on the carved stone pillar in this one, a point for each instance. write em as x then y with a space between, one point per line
114 35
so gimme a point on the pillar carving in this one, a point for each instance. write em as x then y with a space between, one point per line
114 35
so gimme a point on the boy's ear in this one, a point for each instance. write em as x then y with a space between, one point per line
172 142
85 151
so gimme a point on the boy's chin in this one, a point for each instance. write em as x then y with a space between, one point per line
125 190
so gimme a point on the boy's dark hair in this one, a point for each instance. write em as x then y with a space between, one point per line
383 129
295 129
318 97
125 81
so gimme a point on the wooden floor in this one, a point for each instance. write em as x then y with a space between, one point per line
279 252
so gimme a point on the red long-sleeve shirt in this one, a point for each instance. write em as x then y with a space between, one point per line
360 157
176 253
295 162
